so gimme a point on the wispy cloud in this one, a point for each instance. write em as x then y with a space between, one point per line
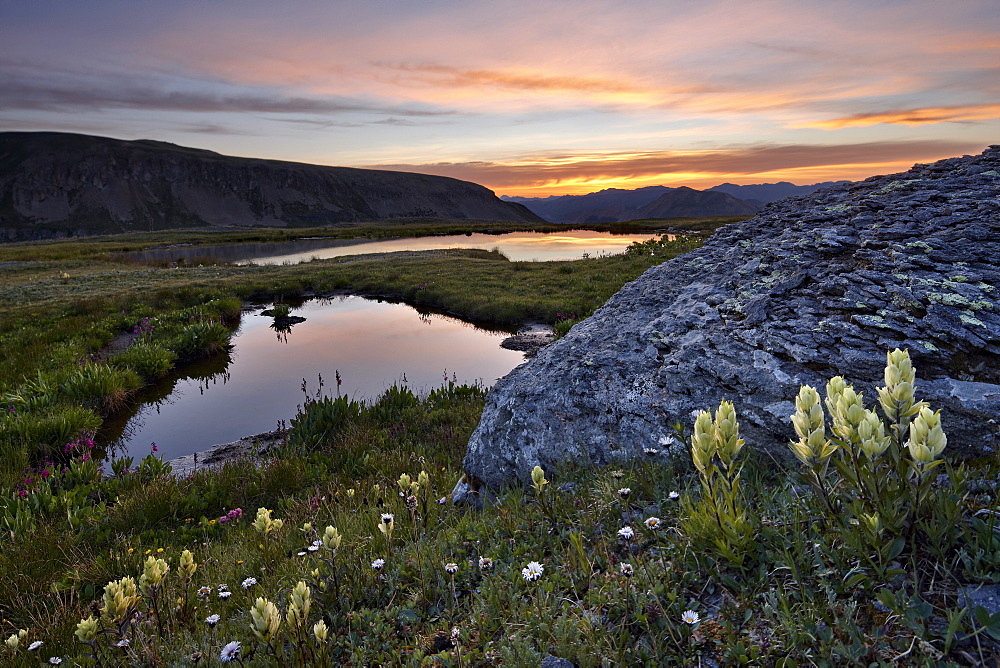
68 91
585 173
621 94
919 116
432 74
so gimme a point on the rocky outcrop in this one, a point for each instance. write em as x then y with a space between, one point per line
54 184
810 288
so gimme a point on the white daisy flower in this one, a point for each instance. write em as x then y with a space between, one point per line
667 441
230 651
485 563
386 518
203 592
249 582
313 548
673 495
650 451
690 617
212 620
627 569
225 594
378 564
626 533
653 523
55 660
124 642
33 647
451 568
625 492
532 571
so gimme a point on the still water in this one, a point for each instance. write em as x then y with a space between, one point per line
517 246
259 382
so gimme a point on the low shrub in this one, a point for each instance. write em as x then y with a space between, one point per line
100 385
149 360
38 434
392 404
320 420
201 338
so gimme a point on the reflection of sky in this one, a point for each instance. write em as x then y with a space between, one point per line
517 246
372 345
534 97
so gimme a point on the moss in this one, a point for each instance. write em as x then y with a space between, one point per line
872 321
921 245
894 185
959 301
969 320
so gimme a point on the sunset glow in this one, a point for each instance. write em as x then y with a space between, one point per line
524 98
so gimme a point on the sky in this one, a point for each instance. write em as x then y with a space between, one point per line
527 98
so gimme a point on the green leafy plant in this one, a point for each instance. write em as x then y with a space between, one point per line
720 521
201 338
882 492
149 360
320 420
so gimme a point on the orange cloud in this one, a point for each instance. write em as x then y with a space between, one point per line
924 116
579 174
442 75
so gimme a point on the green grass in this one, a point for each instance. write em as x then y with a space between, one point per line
793 602
801 591
92 329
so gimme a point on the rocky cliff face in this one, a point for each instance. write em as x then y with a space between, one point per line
810 288
57 184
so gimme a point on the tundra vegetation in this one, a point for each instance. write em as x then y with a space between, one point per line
864 547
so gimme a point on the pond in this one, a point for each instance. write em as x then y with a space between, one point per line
517 246
371 344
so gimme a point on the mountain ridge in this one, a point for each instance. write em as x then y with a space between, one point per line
58 184
617 204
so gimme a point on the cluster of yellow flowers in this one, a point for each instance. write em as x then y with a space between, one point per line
855 425
264 524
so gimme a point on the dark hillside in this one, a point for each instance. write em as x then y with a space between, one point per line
55 184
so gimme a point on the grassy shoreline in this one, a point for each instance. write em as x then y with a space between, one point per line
59 316
638 566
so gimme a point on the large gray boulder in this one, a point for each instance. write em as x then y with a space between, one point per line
812 287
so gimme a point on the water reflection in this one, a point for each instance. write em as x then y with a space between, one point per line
370 344
517 246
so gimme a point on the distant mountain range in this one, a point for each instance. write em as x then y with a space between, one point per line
615 204
57 184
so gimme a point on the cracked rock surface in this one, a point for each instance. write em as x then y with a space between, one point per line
810 288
